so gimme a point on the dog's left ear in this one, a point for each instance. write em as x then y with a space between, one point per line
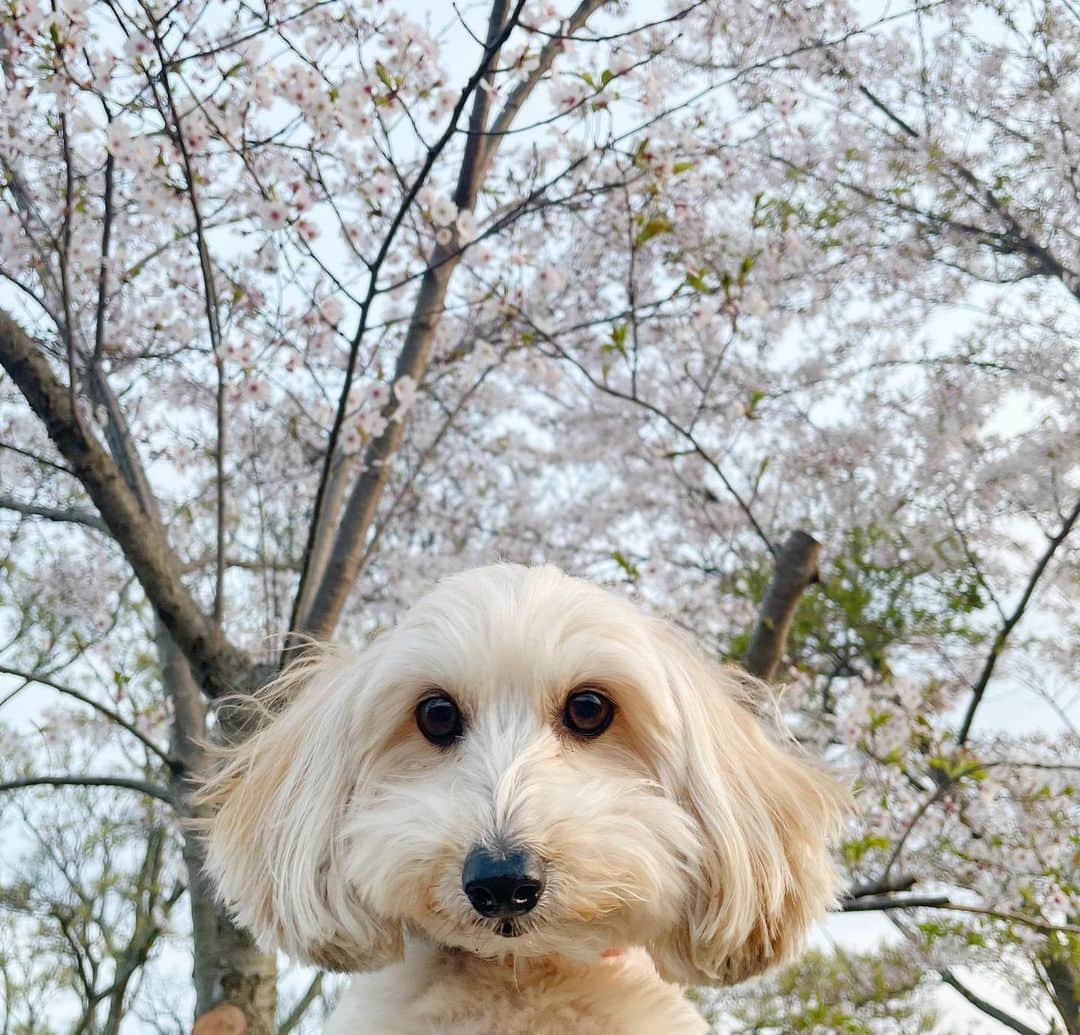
276 803
765 814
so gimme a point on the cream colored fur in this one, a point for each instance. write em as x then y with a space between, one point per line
687 833
433 990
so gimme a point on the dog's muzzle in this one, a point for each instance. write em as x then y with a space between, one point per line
502 883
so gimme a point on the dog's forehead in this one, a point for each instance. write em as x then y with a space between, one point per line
507 627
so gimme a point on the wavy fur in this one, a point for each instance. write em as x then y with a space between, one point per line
688 828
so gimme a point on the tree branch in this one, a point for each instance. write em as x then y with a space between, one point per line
545 59
66 515
145 933
219 666
142 786
881 886
983 681
684 431
210 300
988 1008
794 571
1015 237
888 904
296 1014
43 461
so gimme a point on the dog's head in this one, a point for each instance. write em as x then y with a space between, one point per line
525 765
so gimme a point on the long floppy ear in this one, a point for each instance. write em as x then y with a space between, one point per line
765 813
277 800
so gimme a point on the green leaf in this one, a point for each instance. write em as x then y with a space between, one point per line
854 850
697 283
618 340
628 566
653 228
384 76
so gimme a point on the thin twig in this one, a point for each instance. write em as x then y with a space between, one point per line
105 710
979 689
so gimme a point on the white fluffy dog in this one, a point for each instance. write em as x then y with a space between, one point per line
526 809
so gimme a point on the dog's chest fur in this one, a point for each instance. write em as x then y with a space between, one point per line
434 991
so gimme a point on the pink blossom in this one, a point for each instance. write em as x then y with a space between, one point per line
405 391
372 423
466 225
378 394
274 214
443 210
332 310
567 94
138 48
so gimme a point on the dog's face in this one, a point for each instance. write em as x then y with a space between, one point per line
526 765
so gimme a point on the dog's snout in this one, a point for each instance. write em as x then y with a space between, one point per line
502 883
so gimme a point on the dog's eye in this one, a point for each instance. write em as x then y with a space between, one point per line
439 720
588 713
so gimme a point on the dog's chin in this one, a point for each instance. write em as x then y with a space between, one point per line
523 938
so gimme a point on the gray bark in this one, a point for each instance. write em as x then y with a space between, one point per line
229 968
1062 976
796 569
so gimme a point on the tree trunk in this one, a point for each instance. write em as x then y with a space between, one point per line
1062 975
229 968
796 569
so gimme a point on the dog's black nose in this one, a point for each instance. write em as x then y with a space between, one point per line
502 882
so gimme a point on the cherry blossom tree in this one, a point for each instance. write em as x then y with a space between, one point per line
764 313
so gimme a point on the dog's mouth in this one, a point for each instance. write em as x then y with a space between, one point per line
508 929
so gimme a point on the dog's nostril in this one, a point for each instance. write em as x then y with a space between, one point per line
501 883
481 898
526 894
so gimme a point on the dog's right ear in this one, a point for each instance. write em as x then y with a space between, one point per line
765 814
276 804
